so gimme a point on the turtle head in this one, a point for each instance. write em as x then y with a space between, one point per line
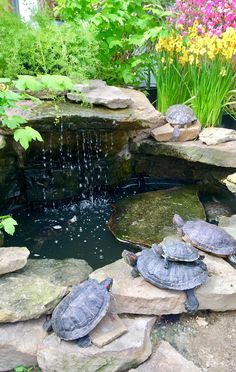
178 221
107 283
129 257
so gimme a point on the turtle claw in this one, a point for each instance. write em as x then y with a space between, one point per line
84 342
134 272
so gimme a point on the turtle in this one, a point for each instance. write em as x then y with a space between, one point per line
172 248
80 311
180 276
179 116
207 237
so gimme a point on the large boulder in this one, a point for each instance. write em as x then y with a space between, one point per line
147 218
38 288
136 296
19 343
167 359
12 259
127 351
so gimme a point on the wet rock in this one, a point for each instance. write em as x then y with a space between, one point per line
147 218
229 224
110 328
127 351
165 133
167 359
222 155
2 142
214 136
38 287
12 259
100 94
19 343
214 210
136 296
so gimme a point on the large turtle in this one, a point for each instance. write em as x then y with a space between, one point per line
179 116
172 248
80 311
180 276
207 237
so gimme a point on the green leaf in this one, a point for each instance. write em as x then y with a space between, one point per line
8 224
4 80
25 135
27 82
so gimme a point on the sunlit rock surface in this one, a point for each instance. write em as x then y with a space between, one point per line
147 218
13 259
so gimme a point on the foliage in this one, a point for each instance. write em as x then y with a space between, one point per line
46 47
213 17
126 33
26 369
204 64
22 134
54 83
7 223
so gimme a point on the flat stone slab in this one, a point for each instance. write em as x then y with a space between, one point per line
110 328
165 133
12 259
214 136
148 217
136 296
19 343
38 288
221 155
167 359
100 94
127 351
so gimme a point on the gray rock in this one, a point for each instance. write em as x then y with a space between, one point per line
12 259
230 182
136 296
167 359
222 155
127 351
228 224
19 343
214 136
104 95
38 288
107 330
2 142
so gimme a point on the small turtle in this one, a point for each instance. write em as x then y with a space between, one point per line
172 248
207 237
180 276
179 116
80 311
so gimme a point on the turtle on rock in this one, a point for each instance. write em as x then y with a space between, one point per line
172 248
207 237
179 116
180 276
80 311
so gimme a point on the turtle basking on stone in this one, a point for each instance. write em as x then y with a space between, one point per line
180 276
172 248
207 237
80 311
179 116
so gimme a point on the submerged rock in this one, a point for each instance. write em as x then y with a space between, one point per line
167 359
147 218
127 351
12 259
19 343
39 287
136 296
214 210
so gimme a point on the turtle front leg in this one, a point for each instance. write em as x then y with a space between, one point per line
84 342
166 263
134 272
47 325
191 304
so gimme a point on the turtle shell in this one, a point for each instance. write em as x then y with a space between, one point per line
180 115
175 249
179 276
81 310
210 238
